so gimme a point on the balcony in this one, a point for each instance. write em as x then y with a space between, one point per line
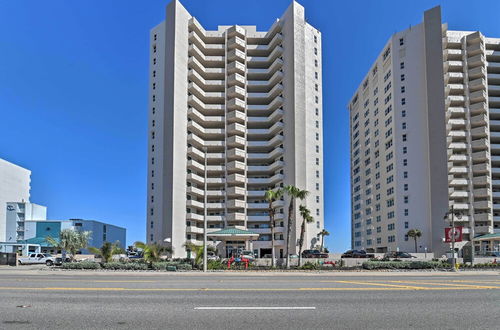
260 62
236 179
236 153
455 112
482 192
481 168
235 204
475 49
194 230
206 73
480 156
263 97
236 55
481 180
194 204
457 146
254 109
478 72
477 84
236 42
477 60
266 181
453 66
458 170
277 152
264 73
273 117
236 79
458 182
479 132
210 97
194 216
236 67
212 109
236 166
236 129
478 96
237 31
480 144
236 104
236 141
200 118
274 142
478 108
236 191
273 130
482 230
236 91
194 127
236 216
483 205
479 120
236 116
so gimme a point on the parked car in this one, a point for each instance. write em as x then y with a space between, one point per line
313 254
212 256
37 258
398 255
357 254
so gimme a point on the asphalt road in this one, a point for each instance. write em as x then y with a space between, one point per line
65 300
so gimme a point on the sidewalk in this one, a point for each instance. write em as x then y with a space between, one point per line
43 270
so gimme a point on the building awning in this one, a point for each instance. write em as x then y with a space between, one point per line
38 241
233 233
488 237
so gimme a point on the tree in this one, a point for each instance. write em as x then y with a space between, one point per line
294 193
107 251
70 241
271 197
198 251
152 252
414 233
305 213
323 233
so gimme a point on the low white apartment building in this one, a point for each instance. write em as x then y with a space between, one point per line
244 107
14 187
424 138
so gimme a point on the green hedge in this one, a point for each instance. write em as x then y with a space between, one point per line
484 265
81 265
404 265
125 266
162 265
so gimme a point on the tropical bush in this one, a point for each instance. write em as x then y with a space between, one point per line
124 266
81 265
216 265
403 265
310 266
162 265
107 251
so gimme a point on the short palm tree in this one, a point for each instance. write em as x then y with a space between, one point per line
198 251
294 193
107 251
323 233
70 241
152 252
414 233
271 197
305 213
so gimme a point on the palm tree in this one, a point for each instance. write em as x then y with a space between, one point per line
293 192
107 251
414 233
198 251
70 241
323 233
305 213
152 252
271 197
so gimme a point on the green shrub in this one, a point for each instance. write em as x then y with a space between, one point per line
216 265
81 265
162 265
403 265
309 266
125 266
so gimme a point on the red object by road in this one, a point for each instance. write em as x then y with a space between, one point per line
448 232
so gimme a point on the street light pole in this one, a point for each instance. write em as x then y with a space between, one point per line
453 260
205 216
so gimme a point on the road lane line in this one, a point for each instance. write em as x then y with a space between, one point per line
460 286
254 308
383 285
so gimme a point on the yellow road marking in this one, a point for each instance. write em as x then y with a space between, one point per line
383 284
449 284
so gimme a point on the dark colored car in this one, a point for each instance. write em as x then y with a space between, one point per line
357 254
398 255
313 254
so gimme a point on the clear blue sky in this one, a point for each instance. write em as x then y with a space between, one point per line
74 83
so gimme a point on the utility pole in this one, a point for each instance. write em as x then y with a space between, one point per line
453 260
205 216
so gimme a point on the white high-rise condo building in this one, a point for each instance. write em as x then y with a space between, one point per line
14 187
425 132
232 113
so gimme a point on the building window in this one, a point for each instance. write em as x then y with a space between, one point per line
402 77
317 161
379 240
401 41
154 73
403 101
316 75
153 110
402 65
402 89
317 212
406 186
405 162
315 39
405 175
315 51
403 113
317 112
151 212
317 186
404 138
317 199
151 237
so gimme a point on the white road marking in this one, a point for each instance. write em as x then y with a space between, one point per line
252 308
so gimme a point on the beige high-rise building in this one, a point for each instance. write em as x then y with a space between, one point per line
247 103
425 132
